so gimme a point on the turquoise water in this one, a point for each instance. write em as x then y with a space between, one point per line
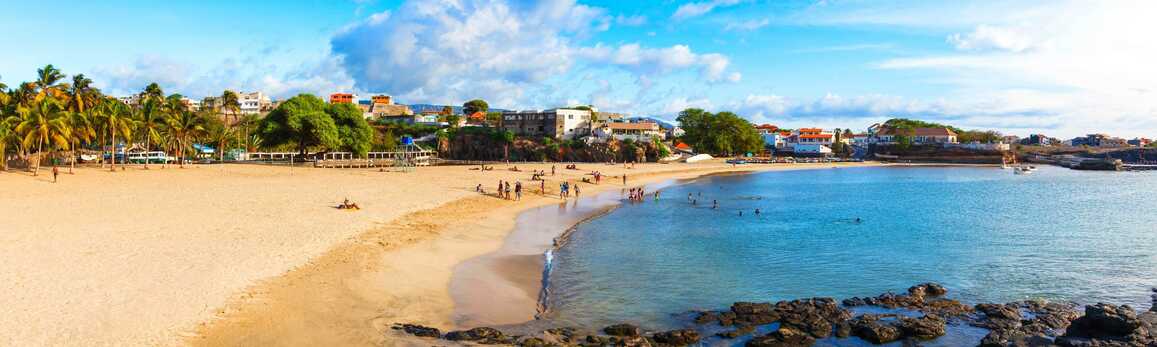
986 234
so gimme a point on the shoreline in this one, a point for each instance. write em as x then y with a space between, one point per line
357 289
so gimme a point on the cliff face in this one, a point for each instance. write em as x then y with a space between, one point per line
937 154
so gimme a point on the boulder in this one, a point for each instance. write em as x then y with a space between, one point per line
622 330
482 335
418 330
870 328
681 337
927 289
784 337
750 313
1110 325
739 331
925 328
532 342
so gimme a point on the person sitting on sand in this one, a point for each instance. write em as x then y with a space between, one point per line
347 205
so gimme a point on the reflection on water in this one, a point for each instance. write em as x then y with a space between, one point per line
986 234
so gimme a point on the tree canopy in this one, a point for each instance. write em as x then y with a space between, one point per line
303 121
476 105
720 133
353 132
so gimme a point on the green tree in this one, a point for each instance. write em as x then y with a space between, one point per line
150 119
476 105
8 135
447 110
81 94
301 121
354 134
153 93
44 123
48 81
230 105
184 126
83 131
723 133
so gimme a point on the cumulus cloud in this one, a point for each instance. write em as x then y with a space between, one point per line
695 9
505 51
632 21
989 37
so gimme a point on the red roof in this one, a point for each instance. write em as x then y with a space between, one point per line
767 126
477 116
682 146
811 130
815 136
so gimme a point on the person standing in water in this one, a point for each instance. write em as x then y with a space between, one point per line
714 204
624 179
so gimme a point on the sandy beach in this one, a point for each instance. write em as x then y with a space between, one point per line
256 255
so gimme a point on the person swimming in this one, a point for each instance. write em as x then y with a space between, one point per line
757 212
714 204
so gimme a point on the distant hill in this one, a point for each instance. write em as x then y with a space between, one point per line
663 123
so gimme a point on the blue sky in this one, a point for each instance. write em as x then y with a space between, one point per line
1063 68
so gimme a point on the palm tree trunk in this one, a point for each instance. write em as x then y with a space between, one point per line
146 150
72 163
39 153
113 151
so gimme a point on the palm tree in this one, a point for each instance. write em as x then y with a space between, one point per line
7 135
83 131
81 94
184 126
116 116
47 81
44 122
221 135
231 103
152 92
150 120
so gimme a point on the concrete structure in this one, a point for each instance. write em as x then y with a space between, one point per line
1099 140
638 132
560 124
342 98
254 103
191 105
390 112
382 99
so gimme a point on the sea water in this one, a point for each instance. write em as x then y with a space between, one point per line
986 234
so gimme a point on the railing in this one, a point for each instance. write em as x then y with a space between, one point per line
377 159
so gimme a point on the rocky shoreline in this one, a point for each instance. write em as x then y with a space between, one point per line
921 314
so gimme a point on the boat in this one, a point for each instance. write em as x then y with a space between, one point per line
1024 170
736 161
151 157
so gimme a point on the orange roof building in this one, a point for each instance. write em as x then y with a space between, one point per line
341 98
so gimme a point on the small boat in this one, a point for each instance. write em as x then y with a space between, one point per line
1023 170
736 161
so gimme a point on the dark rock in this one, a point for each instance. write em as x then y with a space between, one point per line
869 327
844 329
748 308
1109 325
739 331
784 337
813 316
622 330
418 330
706 317
532 342
563 335
1001 338
927 289
482 335
680 337
925 328
998 311
750 313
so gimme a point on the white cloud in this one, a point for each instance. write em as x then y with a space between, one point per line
509 52
748 25
988 37
632 21
695 9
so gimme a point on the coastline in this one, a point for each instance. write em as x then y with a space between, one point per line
353 293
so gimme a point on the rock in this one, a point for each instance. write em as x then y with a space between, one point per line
813 316
706 317
925 328
482 335
532 342
418 330
927 289
1109 325
562 335
622 330
998 311
739 331
843 330
869 327
1000 338
750 313
784 337
680 337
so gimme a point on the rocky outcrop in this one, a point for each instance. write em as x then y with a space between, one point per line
783 337
873 329
418 330
483 335
622 330
1010 327
1110 325
681 337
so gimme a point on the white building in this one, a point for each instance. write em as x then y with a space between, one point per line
561 124
638 132
254 103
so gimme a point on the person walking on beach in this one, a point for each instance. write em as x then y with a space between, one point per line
624 179
542 187
55 172
499 189
576 190
518 191
552 170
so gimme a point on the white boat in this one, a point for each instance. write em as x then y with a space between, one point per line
151 157
1023 170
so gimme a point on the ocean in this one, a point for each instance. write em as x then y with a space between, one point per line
986 234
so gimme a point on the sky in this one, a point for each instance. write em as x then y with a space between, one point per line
1062 68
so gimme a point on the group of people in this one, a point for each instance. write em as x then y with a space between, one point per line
638 194
564 189
538 175
504 190
347 205
571 167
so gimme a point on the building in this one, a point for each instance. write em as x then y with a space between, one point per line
560 124
391 112
211 103
638 132
1140 142
860 139
342 98
1099 140
917 136
254 103
191 105
382 99
131 100
1037 140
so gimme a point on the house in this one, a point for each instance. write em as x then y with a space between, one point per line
476 118
391 112
1037 140
559 124
342 98
254 103
917 136
191 105
860 139
1140 142
810 141
638 132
